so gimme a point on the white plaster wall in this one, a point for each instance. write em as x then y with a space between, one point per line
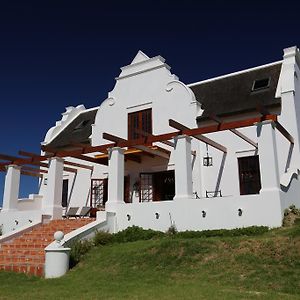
34 202
13 220
221 213
153 88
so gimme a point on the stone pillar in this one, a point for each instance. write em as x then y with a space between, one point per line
11 188
183 168
115 178
52 201
268 159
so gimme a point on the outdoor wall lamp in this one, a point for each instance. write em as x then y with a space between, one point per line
30 221
128 217
203 213
17 222
240 212
157 215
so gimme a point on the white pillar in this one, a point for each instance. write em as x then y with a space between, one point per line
183 168
11 188
268 160
52 201
115 178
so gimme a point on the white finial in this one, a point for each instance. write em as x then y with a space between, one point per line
58 236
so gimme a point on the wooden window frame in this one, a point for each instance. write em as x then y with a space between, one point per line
138 120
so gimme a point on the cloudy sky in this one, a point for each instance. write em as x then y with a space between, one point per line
59 53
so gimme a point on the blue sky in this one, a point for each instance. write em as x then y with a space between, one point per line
59 53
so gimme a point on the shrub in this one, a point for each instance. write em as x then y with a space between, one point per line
78 250
135 233
290 214
172 230
247 231
102 238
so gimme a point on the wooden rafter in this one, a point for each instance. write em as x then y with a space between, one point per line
284 132
236 132
199 137
31 161
67 163
157 152
263 110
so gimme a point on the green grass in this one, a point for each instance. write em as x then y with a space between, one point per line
266 266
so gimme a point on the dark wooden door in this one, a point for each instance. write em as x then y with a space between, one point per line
127 198
164 185
249 175
65 189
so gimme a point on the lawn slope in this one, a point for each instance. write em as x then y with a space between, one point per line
261 267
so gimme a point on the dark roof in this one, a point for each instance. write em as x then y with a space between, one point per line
233 94
78 131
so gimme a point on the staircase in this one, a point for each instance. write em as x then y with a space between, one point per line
25 254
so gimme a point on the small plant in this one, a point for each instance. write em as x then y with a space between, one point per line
78 250
102 238
290 215
172 230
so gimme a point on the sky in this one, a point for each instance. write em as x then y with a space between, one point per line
55 54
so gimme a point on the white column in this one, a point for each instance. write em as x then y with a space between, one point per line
115 178
268 159
183 168
52 201
11 188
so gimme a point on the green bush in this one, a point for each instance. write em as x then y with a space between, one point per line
102 238
78 250
247 231
135 233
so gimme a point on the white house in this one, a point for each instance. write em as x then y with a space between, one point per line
219 153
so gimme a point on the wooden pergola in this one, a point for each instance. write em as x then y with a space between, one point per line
143 145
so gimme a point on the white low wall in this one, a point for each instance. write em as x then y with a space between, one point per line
220 213
14 220
33 202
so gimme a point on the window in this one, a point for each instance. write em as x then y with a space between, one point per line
139 122
260 84
249 175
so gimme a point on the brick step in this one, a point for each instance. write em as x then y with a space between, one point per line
21 252
26 253
29 268
22 259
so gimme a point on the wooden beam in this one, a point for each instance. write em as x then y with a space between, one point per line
236 132
146 134
31 174
284 132
162 137
199 137
67 163
146 149
25 168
